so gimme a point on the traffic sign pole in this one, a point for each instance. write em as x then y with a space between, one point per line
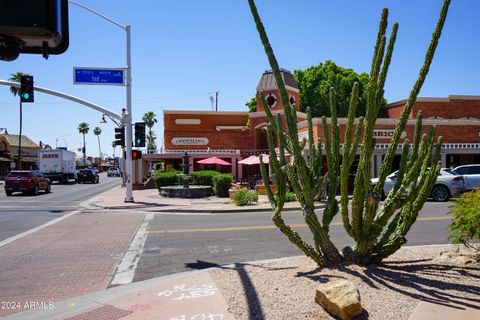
128 121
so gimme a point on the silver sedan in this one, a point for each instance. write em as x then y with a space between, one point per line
448 184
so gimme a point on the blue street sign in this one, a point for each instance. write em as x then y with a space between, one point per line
106 76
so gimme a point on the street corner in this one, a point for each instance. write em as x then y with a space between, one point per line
194 296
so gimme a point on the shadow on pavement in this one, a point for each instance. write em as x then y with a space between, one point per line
254 306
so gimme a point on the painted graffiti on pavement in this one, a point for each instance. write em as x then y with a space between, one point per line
181 292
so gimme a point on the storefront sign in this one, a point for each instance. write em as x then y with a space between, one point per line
383 133
188 121
386 134
189 141
50 155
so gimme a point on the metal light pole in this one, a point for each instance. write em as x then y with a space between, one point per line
58 138
127 119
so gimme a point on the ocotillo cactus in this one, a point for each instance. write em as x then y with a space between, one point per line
304 175
378 230
369 220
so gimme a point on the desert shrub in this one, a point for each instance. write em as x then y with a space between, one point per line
290 197
165 178
221 184
465 228
204 177
242 197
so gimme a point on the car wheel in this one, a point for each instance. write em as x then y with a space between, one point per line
49 188
440 193
35 190
383 196
8 192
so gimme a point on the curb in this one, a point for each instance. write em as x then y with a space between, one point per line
179 210
175 209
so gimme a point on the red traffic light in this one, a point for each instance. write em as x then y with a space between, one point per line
136 154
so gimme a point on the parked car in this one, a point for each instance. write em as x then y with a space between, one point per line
113 172
26 181
471 175
448 184
87 175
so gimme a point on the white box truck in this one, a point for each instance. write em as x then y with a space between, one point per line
57 164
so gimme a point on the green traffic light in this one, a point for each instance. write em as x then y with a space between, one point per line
26 96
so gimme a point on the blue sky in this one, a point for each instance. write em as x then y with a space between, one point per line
184 51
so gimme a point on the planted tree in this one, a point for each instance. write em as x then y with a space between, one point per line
83 129
378 230
16 77
98 131
150 119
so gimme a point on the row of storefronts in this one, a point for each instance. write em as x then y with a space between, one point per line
9 145
233 136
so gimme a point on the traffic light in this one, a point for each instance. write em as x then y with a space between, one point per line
136 154
139 134
26 89
33 26
120 136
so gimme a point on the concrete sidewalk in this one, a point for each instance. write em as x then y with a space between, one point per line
150 200
191 295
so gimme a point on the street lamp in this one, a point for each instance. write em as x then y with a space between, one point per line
105 120
127 119
58 138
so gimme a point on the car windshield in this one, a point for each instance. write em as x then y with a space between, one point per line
19 174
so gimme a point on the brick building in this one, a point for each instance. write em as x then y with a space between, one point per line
9 153
233 136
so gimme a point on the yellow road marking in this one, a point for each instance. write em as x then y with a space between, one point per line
302 225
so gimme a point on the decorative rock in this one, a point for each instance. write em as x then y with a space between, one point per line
457 257
339 298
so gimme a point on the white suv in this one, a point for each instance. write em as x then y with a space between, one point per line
113 171
448 184
471 174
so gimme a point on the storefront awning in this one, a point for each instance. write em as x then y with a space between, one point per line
29 159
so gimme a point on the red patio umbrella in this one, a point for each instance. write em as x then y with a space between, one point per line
255 159
214 160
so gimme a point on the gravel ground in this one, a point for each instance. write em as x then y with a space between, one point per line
285 288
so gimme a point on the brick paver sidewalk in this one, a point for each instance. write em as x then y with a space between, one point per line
75 256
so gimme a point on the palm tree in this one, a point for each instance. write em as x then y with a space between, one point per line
15 77
83 128
97 131
150 120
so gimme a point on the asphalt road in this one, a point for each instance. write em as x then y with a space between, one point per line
178 243
21 212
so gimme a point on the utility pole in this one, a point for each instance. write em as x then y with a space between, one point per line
19 165
216 101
